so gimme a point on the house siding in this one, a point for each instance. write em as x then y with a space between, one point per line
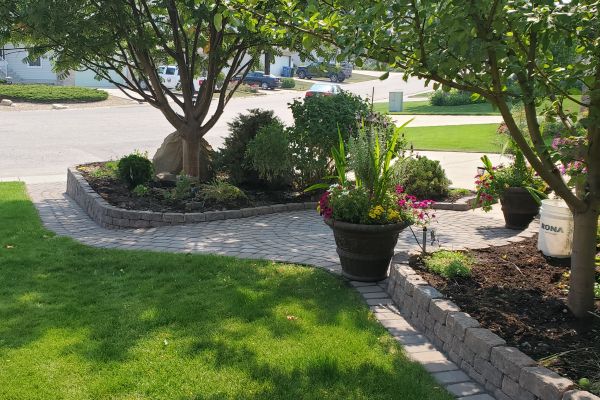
22 72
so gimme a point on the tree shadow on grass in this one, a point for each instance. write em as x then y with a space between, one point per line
124 321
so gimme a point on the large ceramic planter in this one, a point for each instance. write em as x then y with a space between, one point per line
519 207
365 250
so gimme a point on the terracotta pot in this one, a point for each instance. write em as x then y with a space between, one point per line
365 251
519 208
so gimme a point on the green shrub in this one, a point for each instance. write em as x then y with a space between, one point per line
449 264
51 94
230 158
221 193
288 83
453 98
269 154
421 177
135 169
183 187
315 131
141 190
109 169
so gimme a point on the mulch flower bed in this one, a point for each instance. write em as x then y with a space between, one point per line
116 193
515 292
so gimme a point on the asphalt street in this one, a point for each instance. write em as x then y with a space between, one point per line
40 145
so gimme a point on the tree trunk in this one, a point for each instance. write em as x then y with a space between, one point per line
267 63
581 292
191 157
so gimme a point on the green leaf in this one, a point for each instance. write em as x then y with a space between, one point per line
218 21
384 76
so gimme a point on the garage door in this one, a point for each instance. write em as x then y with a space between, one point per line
86 78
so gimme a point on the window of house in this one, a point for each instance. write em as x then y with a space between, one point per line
37 63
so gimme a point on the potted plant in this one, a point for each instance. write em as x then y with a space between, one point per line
367 214
516 186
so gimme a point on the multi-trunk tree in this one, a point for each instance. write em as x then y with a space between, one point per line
124 41
534 54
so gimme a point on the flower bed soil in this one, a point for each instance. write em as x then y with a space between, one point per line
119 195
516 293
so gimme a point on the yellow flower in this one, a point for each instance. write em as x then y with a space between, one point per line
393 214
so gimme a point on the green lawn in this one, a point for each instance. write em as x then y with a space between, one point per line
423 107
476 138
51 94
83 323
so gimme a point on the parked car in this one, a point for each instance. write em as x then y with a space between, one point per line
259 78
323 89
321 70
169 74
347 68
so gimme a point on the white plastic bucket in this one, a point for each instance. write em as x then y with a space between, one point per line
556 229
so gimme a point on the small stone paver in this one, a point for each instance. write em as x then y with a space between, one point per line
298 237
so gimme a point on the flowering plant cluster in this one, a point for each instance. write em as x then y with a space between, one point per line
356 205
491 184
569 151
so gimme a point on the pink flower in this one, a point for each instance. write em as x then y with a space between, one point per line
399 189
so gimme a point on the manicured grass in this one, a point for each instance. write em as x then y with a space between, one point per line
423 107
474 138
83 323
51 94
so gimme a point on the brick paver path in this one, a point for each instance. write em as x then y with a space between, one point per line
296 237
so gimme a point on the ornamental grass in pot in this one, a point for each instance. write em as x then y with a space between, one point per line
516 186
367 214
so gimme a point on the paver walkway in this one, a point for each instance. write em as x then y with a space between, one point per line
296 237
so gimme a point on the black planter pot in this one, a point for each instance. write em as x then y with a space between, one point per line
365 251
519 207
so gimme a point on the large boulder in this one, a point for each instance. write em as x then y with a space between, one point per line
169 157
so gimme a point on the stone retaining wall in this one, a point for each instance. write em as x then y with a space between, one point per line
505 371
109 216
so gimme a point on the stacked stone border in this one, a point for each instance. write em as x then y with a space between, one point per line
504 371
109 216
462 204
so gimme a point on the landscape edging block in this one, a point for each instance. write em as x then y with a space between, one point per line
502 370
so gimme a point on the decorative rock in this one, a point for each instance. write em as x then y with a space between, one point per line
510 360
166 177
6 103
169 156
544 383
59 107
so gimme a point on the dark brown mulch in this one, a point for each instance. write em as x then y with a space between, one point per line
515 292
118 194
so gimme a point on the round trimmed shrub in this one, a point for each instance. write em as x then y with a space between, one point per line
288 83
135 169
421 177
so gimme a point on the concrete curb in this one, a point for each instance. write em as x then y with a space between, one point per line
109 216
504 371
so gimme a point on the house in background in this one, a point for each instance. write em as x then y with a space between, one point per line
12 65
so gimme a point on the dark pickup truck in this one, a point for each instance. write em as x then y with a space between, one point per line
262 80
321 70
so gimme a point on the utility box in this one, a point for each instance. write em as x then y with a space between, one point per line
396 103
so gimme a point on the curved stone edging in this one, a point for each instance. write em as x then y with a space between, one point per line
109 216
504 371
